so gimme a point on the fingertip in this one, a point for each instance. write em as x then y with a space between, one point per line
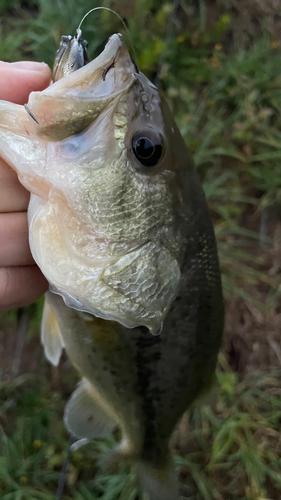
35 81
17 80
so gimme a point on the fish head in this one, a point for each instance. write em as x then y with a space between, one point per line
108 215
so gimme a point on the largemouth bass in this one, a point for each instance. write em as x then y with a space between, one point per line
120 227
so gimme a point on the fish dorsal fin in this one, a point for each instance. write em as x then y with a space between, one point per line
51 336
83 417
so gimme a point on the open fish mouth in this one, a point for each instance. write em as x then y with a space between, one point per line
81 96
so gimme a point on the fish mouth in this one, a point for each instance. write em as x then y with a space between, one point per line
115 55
73 103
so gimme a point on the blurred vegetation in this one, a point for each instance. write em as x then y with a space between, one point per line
218 64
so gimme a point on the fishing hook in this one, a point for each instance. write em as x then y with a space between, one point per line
30 114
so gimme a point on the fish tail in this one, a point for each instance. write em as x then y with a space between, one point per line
159 483
158 478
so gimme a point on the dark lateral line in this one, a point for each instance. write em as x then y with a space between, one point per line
30 114
144 359
106 70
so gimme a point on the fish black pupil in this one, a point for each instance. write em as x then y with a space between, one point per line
144 148
147 148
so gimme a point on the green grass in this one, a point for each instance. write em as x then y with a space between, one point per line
227 102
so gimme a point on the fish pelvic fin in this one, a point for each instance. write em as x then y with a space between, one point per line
51 336
83 417
158 483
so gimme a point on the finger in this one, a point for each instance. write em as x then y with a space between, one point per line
17 80
20 286
14 247
13 196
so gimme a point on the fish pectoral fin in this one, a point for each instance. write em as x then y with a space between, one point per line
83 417
51 336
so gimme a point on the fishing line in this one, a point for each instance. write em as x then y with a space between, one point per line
79 32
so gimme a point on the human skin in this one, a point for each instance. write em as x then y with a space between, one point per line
21 281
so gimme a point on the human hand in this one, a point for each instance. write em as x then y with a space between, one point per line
21 281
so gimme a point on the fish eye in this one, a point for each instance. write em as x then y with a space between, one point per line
147 147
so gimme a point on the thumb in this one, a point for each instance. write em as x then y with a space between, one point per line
18 79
